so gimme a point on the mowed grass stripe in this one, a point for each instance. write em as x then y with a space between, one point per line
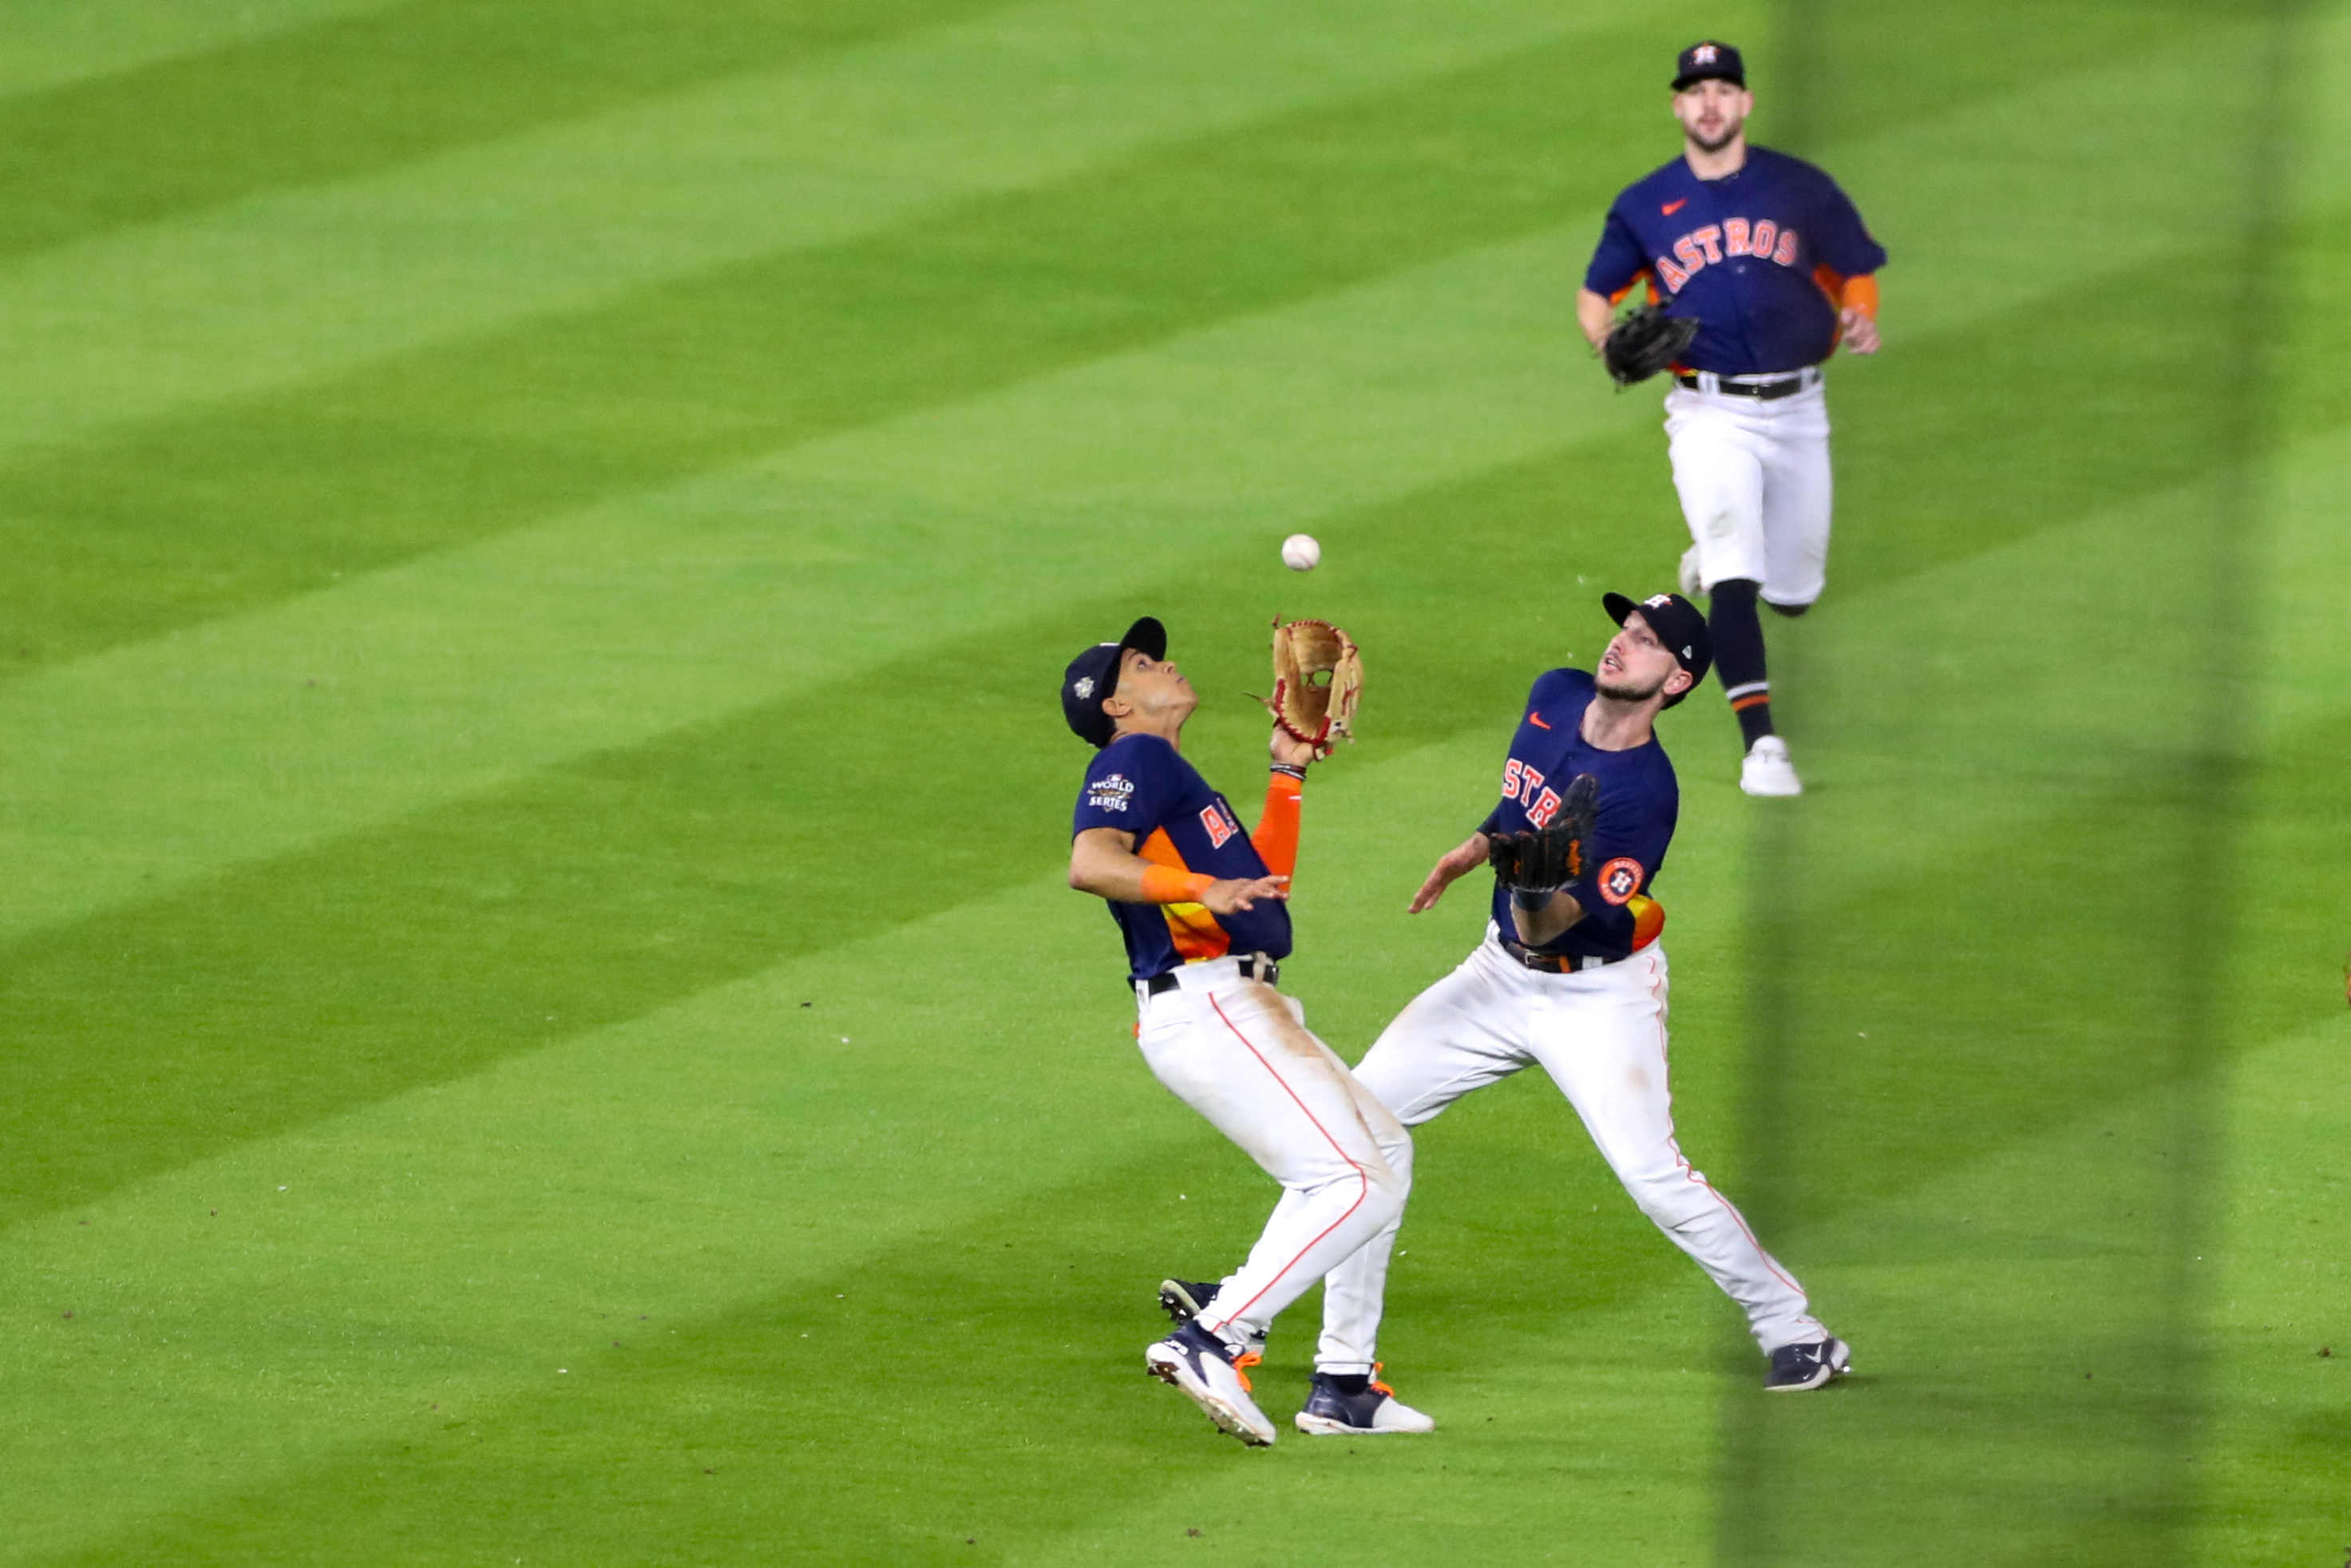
54 42
1067 456
472 440
757 1152
604 886
602 630
1515 1252
760 1164
213 514
206 515
538 824
285 286
2281 1442
620 882
349 96
1522 1306
758 1344
138 768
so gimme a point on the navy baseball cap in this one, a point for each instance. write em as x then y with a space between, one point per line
1093 675
1709 61
1680 625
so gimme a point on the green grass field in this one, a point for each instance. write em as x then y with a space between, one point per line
540 1017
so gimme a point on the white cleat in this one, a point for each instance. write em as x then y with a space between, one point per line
1195 1362
1691 585
1376 1410
1768 772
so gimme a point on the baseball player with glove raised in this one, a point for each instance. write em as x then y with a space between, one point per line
1756 267
1202 908
1571 978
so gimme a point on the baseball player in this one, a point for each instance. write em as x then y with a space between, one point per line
1770 257
1203 909
1574 979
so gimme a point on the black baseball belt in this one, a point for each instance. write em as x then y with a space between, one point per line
1554 963
1764 388
1252 966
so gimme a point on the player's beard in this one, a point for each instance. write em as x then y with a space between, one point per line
1628 695
1730 134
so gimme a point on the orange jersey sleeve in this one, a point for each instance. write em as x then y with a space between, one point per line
1277 831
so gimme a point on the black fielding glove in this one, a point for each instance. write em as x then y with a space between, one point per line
1646 341
1550 857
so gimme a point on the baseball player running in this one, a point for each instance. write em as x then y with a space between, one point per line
1770 259
1202 907
1572 979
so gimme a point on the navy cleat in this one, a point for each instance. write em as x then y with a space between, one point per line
1200 1364
1357 1407
1184 1300
1797 1367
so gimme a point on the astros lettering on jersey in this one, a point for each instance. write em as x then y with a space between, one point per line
1755 256
1640 801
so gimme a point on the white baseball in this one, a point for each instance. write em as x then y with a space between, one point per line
1300 553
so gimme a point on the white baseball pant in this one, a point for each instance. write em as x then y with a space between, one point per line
1754 482
1238 1052
1600 1035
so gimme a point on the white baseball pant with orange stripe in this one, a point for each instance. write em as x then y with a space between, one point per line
1238 1052
1600 1035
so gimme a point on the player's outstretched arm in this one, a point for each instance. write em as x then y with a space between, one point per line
1450 867
1276 834
1102 862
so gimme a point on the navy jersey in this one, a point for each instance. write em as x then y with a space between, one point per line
1640 801
1743 254
1141 785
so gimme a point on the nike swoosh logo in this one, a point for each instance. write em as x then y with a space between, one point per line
1536 719
1670 208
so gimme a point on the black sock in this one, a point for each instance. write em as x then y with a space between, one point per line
1347 1382
1738 632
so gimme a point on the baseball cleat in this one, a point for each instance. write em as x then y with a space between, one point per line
1196 1362
1692 587
1183 1300
1797 1367
1329 1412
1768 772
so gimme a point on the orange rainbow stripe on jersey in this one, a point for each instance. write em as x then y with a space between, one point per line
1648 920
1190 926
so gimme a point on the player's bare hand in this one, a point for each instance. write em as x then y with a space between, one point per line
1234 893
1860 331
1288 749
1455 864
